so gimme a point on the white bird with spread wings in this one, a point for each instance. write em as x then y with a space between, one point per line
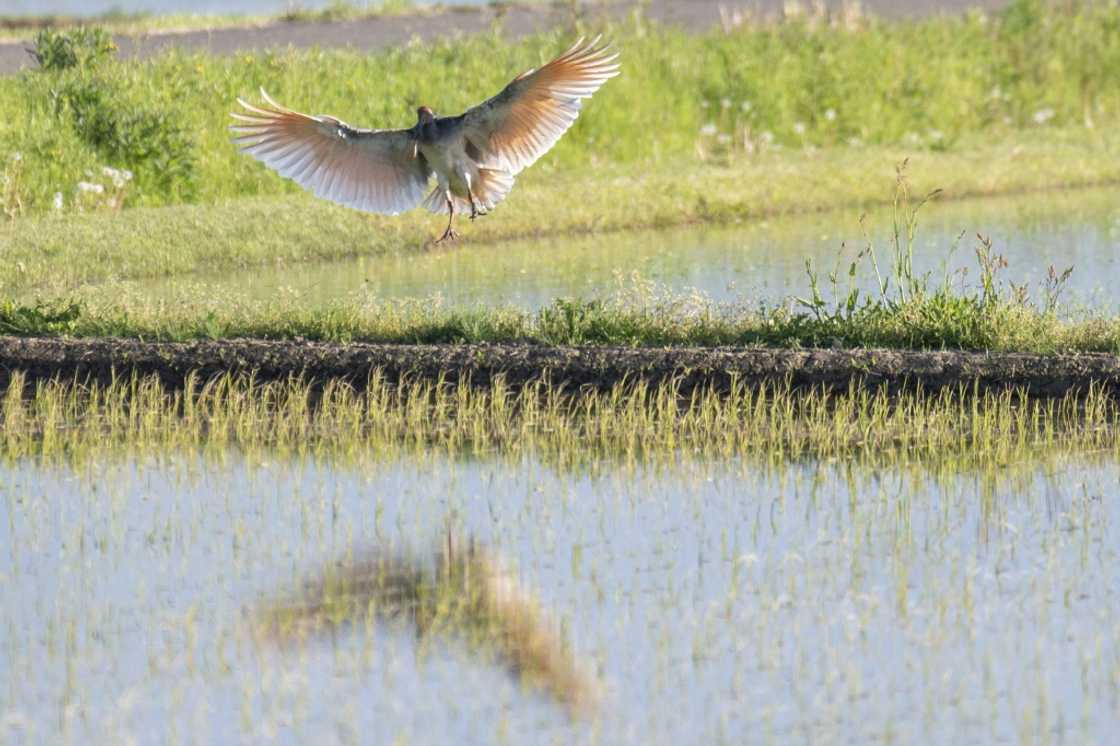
474 156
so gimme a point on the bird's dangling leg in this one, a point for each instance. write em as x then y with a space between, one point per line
475 212
449 233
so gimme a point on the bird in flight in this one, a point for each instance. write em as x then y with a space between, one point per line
474 156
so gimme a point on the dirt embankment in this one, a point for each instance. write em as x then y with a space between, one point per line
598 367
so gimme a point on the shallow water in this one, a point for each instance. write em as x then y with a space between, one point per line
751 262
714 601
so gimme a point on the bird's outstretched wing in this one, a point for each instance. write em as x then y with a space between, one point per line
519 125
372 170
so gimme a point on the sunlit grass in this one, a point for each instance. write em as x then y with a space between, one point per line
904 309
721 99
629 421
56 252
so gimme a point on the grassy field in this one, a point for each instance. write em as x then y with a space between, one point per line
903 309
56 252
720 99
118 172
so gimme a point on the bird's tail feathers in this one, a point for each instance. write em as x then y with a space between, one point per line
491 188
435 202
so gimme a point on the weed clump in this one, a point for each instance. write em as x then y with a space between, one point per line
78 48
88 113
51 318
147 140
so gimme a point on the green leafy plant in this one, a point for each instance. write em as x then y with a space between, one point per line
145 139
51 318
77 48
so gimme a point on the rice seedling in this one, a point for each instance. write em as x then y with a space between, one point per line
631 422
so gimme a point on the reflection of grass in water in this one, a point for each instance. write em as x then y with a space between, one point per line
635 421
468 594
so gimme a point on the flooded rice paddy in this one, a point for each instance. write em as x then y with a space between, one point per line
758 261
243 579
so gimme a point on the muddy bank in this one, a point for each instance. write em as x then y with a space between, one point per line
598 367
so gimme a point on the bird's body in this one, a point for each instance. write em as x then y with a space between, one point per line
474 157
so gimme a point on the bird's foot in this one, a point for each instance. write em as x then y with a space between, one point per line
475 212
448 235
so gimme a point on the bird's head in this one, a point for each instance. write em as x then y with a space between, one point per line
425 115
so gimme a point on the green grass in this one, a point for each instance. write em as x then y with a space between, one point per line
768 119
720 99
905 310
939 321
53 254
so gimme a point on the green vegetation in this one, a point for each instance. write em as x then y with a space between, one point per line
695 549
905 310
720 99
939 320
65 420
80 48
990 105
56 252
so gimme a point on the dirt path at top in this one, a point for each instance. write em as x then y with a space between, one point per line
516 21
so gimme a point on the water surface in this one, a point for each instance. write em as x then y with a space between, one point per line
716 601
746 263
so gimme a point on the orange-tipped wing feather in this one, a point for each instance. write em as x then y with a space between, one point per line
519 125
372 170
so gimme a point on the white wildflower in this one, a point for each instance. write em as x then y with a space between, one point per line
704 104
120 177
912 138
723 138
1042 116
830 114
17 157
767 137
58 200
708 130
725 103
936 135
85 186
746 106
799 128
